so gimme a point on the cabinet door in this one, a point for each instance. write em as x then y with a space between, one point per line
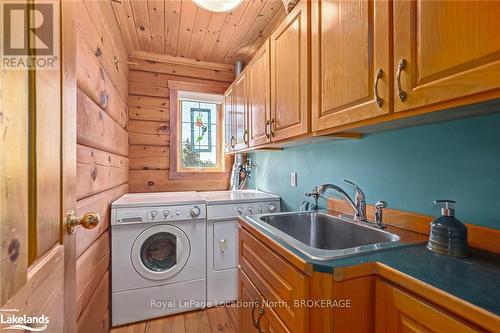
350 61
449 49
271 323
228 121
240 108
290 75
225 245
259 97
399 312
250 300
277 280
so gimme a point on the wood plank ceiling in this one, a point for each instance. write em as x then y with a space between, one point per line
182 29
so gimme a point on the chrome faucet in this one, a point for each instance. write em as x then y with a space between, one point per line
359 203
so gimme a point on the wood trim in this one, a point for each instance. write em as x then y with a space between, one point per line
484 238
175 171
443 111
68 158
182 61
182 70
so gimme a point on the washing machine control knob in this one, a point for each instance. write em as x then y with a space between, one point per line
272 207
195 211
154 214
250 209
240 210
166 212
260 209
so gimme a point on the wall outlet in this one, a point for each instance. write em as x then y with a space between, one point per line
293 179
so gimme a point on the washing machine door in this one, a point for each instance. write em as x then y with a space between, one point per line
160 252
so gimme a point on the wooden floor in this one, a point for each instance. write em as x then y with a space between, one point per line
216 319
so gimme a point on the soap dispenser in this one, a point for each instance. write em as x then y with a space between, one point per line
448 235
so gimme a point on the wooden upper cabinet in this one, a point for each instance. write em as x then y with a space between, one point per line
400 312
350 49
228 114
240 112
290 75
449 49
259 113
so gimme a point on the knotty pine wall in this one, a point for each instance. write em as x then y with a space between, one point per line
148 127
102 153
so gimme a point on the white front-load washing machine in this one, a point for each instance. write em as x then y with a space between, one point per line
158 258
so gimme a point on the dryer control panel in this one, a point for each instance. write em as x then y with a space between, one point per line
158 214
218 212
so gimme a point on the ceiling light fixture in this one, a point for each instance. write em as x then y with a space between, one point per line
218 6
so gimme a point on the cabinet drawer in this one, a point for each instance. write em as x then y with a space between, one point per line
276 279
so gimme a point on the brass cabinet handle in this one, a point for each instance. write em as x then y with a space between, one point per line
233 141
256 305
257 323
245 137
268 123
271 127
88 221
378 99
401 66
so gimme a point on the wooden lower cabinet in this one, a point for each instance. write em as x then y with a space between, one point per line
397 311
279 283
255 313
250 300
271 285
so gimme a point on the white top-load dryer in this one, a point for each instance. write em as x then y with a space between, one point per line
158 258
223 209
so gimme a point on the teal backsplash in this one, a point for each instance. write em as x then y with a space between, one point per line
408 168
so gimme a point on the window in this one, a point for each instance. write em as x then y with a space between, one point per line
200 132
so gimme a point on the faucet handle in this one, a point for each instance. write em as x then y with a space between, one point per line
379 215
360 195
314 193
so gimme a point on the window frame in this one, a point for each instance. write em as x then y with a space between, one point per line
177 171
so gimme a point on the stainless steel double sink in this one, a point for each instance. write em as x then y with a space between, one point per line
322 236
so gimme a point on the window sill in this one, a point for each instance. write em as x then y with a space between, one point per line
178 175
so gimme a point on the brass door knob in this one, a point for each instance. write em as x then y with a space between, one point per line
88 221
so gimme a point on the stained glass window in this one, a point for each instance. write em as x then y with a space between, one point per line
198 134
201 130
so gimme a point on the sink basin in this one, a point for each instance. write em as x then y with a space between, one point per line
323 236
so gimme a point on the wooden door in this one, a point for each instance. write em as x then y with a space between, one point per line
240 111
399 312
351 71
290 75
249 309
259 96
37 182
444 50
228 120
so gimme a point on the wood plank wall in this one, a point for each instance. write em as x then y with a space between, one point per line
148 127
102 152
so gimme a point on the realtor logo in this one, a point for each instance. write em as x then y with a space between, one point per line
29 35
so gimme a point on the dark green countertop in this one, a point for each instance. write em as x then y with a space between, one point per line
475 279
